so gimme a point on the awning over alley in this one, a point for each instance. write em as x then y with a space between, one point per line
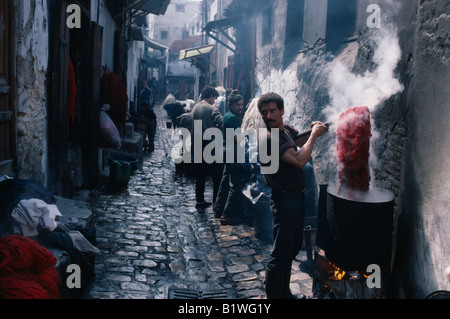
141 8
199 56
152 43
214 28
196 52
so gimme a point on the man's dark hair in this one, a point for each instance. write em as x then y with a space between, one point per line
208 92
234 97
269 98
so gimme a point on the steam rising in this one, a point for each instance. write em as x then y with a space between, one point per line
373 87
374 196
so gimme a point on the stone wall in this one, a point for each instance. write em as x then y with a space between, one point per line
31 67
424 226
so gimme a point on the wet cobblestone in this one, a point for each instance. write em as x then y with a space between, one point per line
152 238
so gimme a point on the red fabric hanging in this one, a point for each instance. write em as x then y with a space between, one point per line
114 92
71 96
27 270
353 147
72 92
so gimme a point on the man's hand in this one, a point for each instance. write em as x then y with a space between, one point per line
319 129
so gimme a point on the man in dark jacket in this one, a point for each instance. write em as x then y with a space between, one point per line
229 205
288 187
147 118
210 117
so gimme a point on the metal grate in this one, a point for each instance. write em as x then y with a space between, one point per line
175 293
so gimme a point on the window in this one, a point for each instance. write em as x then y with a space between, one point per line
294 30
179 8
164 35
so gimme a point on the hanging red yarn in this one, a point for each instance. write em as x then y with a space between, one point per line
71 96
72 91
27 270
353 146
113 91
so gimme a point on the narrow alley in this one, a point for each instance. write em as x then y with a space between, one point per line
155 245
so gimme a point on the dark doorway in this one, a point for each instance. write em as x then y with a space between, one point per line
7 109
57 113
76 125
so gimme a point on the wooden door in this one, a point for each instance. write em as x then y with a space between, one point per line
7 110
58 174
90 109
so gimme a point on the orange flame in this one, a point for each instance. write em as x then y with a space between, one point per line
338 274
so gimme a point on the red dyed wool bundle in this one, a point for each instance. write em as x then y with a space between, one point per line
27 270
353 146
113 91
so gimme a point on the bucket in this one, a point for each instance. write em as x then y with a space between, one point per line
119 173
124 158
360 232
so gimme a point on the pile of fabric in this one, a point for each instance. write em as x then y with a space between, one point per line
28 226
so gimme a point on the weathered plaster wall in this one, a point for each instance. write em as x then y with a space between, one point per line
175 22
135 53
424 225
100 12
402 72
315 21
31 68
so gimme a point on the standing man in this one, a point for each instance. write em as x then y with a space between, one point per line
147 117
229 204
287 198
210 117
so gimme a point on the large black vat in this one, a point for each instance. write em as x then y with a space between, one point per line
360 231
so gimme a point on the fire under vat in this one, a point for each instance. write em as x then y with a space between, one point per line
355 221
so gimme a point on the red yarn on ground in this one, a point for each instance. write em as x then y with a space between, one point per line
353 147
27 270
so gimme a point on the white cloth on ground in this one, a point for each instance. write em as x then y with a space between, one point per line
29 213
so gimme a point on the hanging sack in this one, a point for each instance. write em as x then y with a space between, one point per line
109 135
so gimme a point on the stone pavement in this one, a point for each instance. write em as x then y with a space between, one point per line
152 239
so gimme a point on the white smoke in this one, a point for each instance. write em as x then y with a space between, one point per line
371 89
374 86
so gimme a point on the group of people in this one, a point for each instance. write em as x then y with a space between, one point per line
227 180
287 199
287 184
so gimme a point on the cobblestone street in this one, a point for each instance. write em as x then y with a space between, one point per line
153 240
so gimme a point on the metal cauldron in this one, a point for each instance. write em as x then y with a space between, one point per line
360 231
